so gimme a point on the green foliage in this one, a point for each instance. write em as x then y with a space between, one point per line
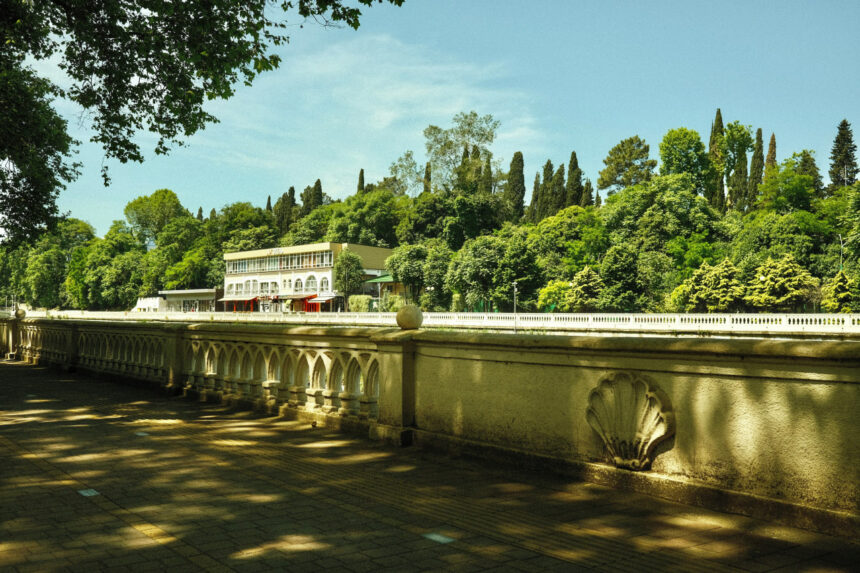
556 296
406 176
515 190
573 187
406 265
148 214
738 141
839 294
714 289
359 302
444 146
285 210
781 285
843 157
806 166
682 151
647 216
348 273
717 155
371 219
473 269
785 189
391 302
568 241
756 171
627 164
35 148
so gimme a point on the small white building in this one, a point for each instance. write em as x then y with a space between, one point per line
298 278
192 300
150 304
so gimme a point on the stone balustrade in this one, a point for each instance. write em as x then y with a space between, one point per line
739 324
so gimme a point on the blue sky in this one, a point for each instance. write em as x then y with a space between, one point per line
559 75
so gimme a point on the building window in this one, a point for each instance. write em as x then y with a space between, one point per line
229 289
273 286
264 288
298 285
288 285
311 284
324 284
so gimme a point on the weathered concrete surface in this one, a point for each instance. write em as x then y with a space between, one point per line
184 486
761 418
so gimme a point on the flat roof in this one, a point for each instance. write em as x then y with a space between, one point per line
309 248
295 249
189 291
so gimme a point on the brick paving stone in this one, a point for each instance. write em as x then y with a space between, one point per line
211 488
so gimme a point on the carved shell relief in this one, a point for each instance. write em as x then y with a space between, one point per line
631 416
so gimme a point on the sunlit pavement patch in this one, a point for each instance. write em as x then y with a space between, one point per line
438 537
88 492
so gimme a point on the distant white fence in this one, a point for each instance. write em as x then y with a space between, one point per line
627 322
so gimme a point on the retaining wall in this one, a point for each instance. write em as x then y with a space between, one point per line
762 427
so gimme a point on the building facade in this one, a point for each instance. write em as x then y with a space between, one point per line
297 278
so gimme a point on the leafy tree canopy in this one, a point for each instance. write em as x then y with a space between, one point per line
627 164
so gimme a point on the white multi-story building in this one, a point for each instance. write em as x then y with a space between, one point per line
292 278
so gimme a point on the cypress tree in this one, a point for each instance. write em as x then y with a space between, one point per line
545 191
573 189
360 188
843 160
269 203
515 190
532 215
807 166
318 194
756 170
770 167
716 196
212 214
200 213
283 210
426 177
739 184
557 196
588 195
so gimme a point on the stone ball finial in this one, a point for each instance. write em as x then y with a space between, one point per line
409 317
20 313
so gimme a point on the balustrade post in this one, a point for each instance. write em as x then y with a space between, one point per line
72 336
396 400
173 358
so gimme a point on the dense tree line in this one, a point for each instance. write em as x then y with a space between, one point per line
721 228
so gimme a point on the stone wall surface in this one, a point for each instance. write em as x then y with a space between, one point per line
749 425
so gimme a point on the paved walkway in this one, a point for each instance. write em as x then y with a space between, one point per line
96 475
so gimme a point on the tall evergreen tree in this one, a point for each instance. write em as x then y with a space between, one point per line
283 210
360 188
739 183
557 192
573 189
843 159
716 153
770 166
756 170
532 214
213 214
626 164
515 190
806 166
199 213
318 194
588 195
427 186
269 203
545 191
